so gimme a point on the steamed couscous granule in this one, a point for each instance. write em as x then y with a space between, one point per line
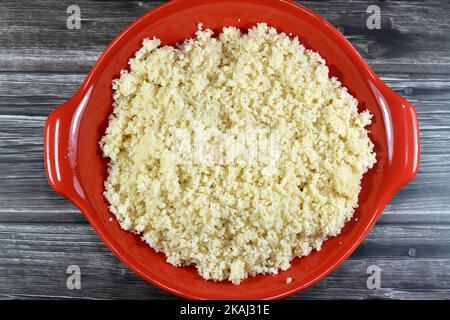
233 219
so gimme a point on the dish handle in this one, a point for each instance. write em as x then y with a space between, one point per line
59 144
402 128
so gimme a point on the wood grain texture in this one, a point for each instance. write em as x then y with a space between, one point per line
33 253
42 64
413 36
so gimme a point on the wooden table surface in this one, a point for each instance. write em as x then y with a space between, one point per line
42 64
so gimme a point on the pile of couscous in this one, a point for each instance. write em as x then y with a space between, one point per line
234 209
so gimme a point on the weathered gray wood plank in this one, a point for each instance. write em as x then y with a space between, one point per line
37 93
26 100
32 252
399 280
412 37
23 186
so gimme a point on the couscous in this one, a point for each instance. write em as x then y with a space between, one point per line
234 154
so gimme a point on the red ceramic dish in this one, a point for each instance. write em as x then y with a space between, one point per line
76 169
